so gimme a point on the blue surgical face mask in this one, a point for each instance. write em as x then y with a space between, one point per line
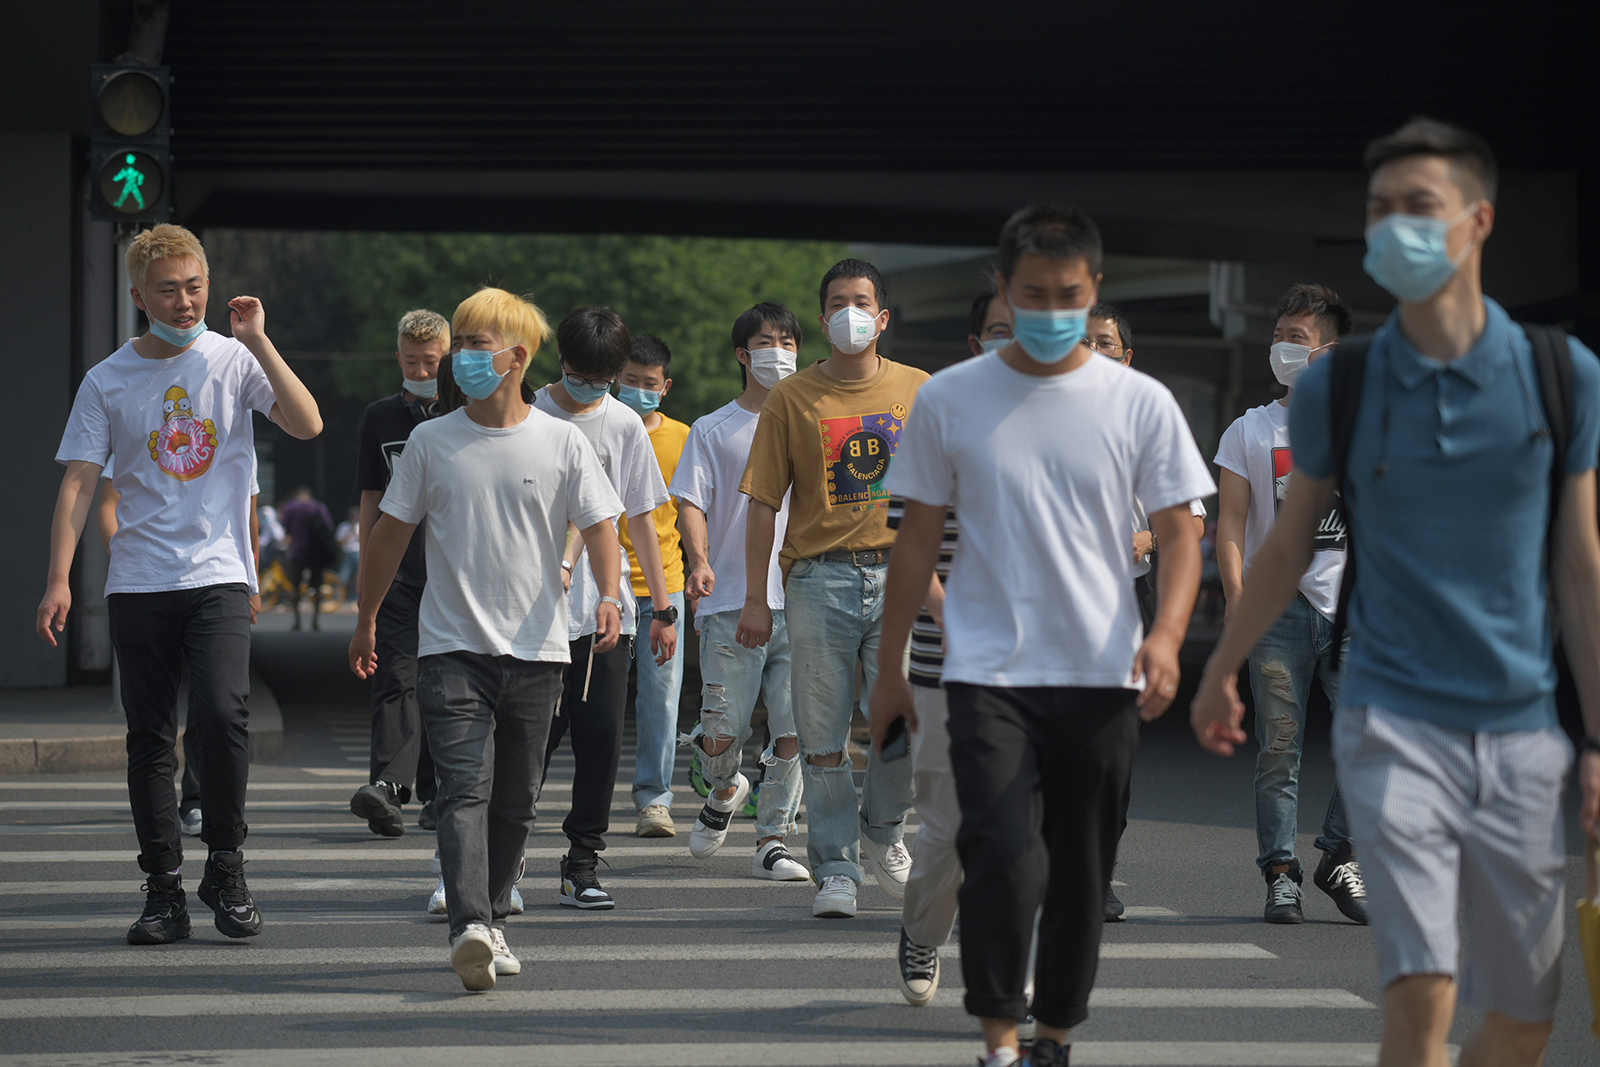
643 401
1048 336
174 336
1406 254
473 370
994 344
581 391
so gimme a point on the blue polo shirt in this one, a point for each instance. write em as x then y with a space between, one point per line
1448 622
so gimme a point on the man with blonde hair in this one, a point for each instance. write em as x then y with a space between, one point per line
173 406
498 483
400 759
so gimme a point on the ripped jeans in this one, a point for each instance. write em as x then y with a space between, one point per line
1298 648
732 676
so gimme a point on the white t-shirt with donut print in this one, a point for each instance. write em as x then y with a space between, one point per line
183 433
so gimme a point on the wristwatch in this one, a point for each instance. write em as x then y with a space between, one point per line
613 601
669 616
566 566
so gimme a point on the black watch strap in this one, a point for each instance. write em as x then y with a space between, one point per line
1589 744
668 614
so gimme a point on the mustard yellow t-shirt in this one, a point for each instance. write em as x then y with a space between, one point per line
667 440
832 441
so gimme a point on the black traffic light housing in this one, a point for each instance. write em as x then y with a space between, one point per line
130 134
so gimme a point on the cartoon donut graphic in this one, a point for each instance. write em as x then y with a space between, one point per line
184 446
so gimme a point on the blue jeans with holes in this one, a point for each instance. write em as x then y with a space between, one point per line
655 712
733 677
1297 649
834 611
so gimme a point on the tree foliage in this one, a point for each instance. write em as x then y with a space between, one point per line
687 291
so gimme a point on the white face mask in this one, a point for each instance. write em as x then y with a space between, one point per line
1290 360
851 330
426 390
769 366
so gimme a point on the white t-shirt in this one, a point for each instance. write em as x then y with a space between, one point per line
497 503
183 427
1256 448
714 458
623 445
1044 473
1141 522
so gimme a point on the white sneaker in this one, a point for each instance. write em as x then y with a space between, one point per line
516 897
516 901
711 826
1004 1056
192 822
437 905
655 820
504 961
472 957
889 864
836 899
773 862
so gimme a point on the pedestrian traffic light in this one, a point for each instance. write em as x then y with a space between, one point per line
130 160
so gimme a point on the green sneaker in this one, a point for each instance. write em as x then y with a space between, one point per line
696 779
750 805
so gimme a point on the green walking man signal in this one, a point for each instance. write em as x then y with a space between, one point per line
131 178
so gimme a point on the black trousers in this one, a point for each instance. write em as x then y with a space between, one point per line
595 724
154 634
399 744
1040 774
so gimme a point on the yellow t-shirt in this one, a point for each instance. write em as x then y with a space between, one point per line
667 440
832 441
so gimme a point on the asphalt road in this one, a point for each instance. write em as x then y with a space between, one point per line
699 963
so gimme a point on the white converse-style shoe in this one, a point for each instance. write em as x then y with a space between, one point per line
472 957
889 864
836 899
711 826
504 961
774 863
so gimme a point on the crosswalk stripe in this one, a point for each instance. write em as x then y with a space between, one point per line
564 954
588 1002
371 850
359 831
411 914
909 1053
383 884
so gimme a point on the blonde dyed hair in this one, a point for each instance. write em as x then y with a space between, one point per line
421 326
516 319
165 241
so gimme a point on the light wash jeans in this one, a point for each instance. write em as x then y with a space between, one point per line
733 675
1298 648
834 610
655 712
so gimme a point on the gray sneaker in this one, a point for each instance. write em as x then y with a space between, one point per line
191 821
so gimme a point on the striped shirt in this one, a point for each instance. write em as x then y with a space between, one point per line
927 640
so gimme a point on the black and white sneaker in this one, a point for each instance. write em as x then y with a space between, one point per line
711 826
166 912
919 971
1285 898
223 890
580 885
379 804
774 863
1339 876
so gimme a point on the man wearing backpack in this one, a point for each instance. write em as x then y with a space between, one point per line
1453 438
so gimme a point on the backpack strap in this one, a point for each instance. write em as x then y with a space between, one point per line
1552 359
1347 379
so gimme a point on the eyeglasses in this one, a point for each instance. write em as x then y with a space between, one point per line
587 383
1105 348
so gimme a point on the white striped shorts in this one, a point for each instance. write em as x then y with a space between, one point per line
1446 820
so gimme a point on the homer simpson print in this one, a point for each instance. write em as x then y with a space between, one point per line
184 446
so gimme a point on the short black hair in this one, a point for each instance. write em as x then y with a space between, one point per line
854 268
766 313
1332 314
593 341
1049 230
1471 160
980 310
650 351
1112 313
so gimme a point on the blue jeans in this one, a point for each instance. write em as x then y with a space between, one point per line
655 712
1298 648
834 612
734 676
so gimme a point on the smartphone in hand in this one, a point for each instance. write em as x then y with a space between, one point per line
896 741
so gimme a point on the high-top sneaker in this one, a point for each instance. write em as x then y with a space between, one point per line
166 912
1285 898
223 890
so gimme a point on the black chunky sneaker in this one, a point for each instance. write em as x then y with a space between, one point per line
166 912
1048 1052
1339 876
1114 909
1285 898
224 892
380 805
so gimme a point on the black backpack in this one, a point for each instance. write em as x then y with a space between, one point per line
1552 359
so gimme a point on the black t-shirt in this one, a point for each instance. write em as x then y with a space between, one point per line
385 426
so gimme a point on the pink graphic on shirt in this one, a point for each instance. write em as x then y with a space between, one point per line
184 446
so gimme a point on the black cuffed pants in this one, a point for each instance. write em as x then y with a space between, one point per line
596 728
154 634
399 743
1040 774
